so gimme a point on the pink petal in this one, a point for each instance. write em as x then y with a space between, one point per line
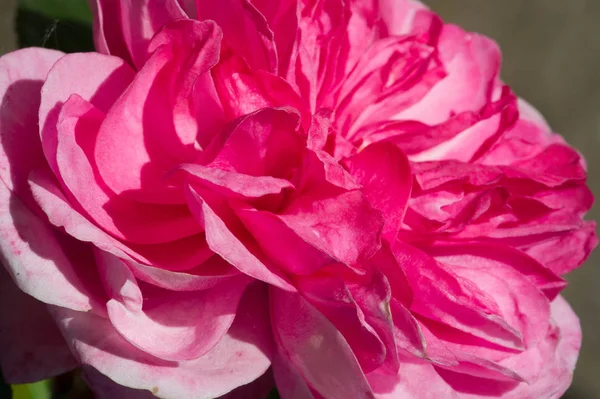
106 78
474 138
472 63
176 326
445 297
344 225
556 354
265 142
316 349
479 254
37 258
408 334
290 385
281 244
232 184
245 29
123 218
399 16
416 379
207 275
565 251
514 292
243 91
373 296
21 77
241 356
170 106
60 213
227 237
332 298
384 172
124 29
282 19
31 346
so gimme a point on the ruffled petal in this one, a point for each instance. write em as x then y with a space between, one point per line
314 347
124 29
241 356
245 29
168 113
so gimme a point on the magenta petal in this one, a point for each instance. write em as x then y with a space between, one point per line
79 121
281 244
31 346
265 142
400 16
384 172
332 298
21 77
240 357
316 349
227 237
442 295
345 225
209 274
565 251
168 109
125 28
61 214
245 29
235 185
290 385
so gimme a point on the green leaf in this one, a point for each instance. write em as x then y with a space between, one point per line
74 10
37 30
37 390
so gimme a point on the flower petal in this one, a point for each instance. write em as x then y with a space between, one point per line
125 28
106 78
245 29
241 356
21 77
167 112
384 172
227 237
34 255
316 349
175 325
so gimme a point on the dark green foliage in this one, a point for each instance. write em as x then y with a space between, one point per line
38 30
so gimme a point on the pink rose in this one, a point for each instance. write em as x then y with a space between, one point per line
341 199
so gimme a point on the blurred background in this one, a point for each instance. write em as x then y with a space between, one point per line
551 58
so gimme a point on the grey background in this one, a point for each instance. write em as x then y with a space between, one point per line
551 58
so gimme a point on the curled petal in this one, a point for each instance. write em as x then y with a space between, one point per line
241 356
313 346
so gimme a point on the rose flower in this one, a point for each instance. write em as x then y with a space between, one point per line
339 199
